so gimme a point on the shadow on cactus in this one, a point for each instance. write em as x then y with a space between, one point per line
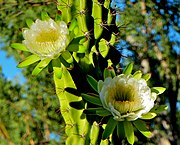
126 100
51 44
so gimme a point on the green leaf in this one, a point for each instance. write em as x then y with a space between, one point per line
149 115
141 126
92 99
92 82
29 22
29 60
64 62
137 74
56 64
146 76
106 73
41 65
129 131
44 15
19 46
67 56
159 109
120 130
109 128
128 69
158 90
103 112
92 111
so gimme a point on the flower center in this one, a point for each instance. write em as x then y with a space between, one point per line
47 36
125 99
126 93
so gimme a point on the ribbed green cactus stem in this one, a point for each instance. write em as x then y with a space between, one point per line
64 6
77 127
80 14
97 15
94 133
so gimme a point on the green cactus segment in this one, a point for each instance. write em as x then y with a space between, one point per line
104 142
77 127
57 68
107 3
94 132
112 40
93 50
103 47
109 19
97 15
80 14
65 7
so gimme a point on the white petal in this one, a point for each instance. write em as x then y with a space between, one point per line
126 97
46 38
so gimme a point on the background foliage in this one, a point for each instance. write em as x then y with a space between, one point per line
148 35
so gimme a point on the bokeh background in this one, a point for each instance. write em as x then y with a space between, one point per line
149 35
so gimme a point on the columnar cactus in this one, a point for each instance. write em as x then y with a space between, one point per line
92 20
81 42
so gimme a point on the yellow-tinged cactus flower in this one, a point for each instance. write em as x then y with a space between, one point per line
126 97
47 39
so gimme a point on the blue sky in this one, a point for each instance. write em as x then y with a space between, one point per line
9 69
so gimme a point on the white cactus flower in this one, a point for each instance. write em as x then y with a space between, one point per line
46 38
125 97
